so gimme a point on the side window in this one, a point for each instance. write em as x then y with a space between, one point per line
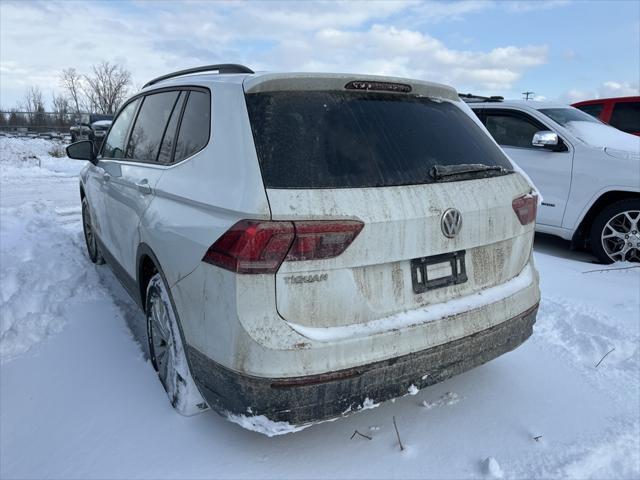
168 141
510 130
626 116
593 109
113 146
194 128
146 136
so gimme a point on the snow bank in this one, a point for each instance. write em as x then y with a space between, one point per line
44 270
32 157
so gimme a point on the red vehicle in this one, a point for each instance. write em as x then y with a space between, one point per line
622 112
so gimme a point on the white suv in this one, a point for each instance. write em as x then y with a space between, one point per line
587 172
306 244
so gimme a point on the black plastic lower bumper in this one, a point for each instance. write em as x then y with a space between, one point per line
303 400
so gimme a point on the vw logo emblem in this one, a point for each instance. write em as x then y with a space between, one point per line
451 222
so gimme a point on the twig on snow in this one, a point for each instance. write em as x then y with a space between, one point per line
397 433
356 432
610 269
537 438
605 356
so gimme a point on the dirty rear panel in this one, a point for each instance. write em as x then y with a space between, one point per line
372 279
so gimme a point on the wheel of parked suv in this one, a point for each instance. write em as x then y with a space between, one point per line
73 138
89 236
615 233
166 350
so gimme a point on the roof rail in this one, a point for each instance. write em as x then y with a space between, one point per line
471 98
221 68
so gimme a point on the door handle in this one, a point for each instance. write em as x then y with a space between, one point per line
144 187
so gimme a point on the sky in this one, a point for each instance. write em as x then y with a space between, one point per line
565 50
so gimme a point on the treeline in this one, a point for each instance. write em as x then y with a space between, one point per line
102 90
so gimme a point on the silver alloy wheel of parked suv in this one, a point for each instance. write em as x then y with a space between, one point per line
620 236
166 350
615 233
89 237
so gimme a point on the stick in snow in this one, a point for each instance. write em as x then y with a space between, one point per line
356 432
537 439
605 356
397 433
609 269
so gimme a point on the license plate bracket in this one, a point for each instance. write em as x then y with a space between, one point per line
438 271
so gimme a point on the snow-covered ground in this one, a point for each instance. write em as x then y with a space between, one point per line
78 399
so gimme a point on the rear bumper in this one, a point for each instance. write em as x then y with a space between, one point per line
303 400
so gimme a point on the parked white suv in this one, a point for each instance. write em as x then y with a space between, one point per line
587 172
306 244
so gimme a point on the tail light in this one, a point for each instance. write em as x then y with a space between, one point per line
253 246
526 208
316 240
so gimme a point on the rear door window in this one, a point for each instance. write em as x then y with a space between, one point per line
113 146
593 109
149 128
334 139
626 117
168 141
195 125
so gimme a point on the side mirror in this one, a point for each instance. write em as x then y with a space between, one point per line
545 139
82 151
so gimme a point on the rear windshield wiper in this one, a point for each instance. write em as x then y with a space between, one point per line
465 171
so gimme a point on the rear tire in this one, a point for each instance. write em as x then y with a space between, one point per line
93 250
166 350
615 232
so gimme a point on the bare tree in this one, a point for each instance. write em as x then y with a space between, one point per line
34 106
106 87
33 99
61 108
71 82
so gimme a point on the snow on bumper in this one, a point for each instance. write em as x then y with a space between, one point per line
429 313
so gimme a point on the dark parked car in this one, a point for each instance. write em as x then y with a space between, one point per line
91 126
621 112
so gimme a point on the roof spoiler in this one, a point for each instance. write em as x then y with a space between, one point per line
222 68
471 98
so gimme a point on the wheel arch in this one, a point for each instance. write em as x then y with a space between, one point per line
147 265
581 235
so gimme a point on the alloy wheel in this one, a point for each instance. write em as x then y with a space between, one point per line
161 337
620 237
88 233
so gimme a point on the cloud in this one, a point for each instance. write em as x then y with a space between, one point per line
618 89
529 6
152 38
607 89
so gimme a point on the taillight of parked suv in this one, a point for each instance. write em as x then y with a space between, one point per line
253 246
526 208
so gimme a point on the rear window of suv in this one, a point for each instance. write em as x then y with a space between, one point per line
626 116
334 139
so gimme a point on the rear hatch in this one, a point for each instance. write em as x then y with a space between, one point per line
368 156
